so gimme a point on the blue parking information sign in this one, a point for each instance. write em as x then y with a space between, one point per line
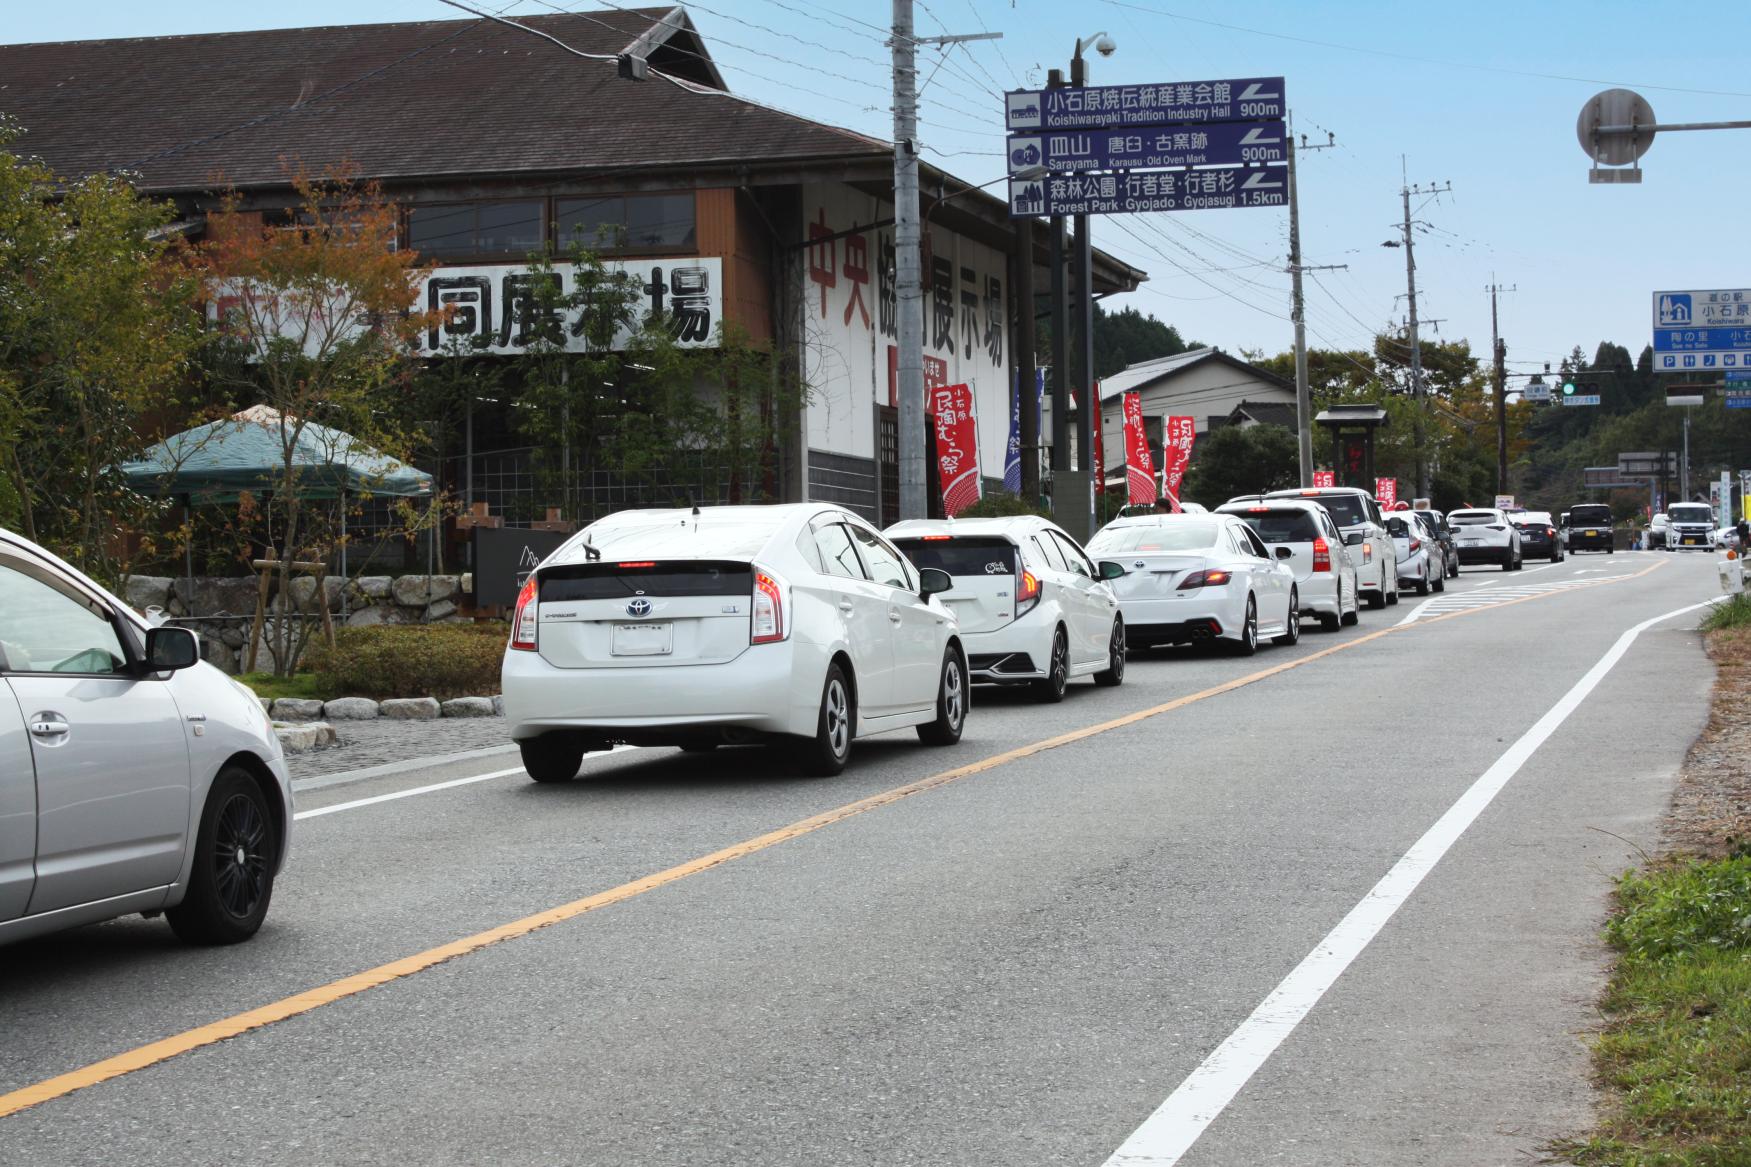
1150 147
1103 107
1702 330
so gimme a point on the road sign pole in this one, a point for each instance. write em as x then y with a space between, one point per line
1079 518
1303 398
1684 466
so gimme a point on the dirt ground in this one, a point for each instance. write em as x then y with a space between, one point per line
1711 808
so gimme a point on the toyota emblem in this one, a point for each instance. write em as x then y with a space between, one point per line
638 607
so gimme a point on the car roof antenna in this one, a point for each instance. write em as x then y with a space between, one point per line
591 551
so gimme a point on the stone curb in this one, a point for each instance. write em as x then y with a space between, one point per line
396 708
305 736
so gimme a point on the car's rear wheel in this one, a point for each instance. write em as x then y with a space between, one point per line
1332 621
1249 630
1392 596
1423 586
237 848
1050 689
825 754
1292 629
1440 583
553 758
1114 673
951 703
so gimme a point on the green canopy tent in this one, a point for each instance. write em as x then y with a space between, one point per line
217 462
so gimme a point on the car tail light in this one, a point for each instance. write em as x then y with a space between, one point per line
1321 555
1205 579
641 563
937 538
1416 546
523 623
1367 553
1258 510
1496 527
767 625
1550 532
1027 593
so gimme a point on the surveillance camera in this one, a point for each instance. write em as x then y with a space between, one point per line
1106 46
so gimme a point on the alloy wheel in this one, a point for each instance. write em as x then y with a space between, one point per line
838 707
240 860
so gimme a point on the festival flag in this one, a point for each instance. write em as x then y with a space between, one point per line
1139 466
1322 478
957 447
1176 454
1012 460
1386 492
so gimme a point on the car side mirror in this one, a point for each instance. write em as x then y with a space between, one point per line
1353 539
934 580
1285 552
1110 570
169 649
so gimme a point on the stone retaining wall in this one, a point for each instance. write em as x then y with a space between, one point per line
220 610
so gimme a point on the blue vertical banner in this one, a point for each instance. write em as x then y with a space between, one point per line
1012 454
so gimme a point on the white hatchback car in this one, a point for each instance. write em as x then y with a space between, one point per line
133 776
1486 536
1358 516
1199 578
797 624
1033 607
1325 574
1420 562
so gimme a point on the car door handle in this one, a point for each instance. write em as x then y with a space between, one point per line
894 616
49 725
846 606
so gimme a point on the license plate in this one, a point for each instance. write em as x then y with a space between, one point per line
644 639
1689 542
1470 542
1590 532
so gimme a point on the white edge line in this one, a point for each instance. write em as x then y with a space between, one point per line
1177 1123
393 795
342 777
409 793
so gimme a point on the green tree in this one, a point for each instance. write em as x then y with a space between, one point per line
1241 460
1121 339
100 326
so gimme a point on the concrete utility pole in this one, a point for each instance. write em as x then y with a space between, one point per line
1410 274
1076 510
1297 311
1499 352
908 276
909 288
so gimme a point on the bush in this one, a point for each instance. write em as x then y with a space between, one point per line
426 660
1000 505
1690 908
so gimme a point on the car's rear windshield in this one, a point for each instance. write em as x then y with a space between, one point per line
1472 518
961 555
617 581
1116 540
1346 510
1582 515
678 535
1696 513
1280 526
1532 519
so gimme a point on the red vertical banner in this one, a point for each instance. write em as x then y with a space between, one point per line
957 447
1139 466
1098 472
1322 478
1386 492
1176 454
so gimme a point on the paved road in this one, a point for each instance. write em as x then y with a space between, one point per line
1015 967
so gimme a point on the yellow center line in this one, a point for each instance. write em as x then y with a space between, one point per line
217 1031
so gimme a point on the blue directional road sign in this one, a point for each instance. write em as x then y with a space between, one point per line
1708 330
1150 147
1104 107
1142 191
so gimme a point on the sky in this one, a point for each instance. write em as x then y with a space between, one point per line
1483 96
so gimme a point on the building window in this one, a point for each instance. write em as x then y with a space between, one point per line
629 223
476 230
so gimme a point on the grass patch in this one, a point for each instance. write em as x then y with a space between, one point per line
1735 613
1677 1045
297 685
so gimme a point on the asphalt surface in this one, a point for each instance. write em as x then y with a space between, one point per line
1015 967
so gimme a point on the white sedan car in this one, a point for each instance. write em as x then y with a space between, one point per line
133 776
1033 607
795 624
1197 579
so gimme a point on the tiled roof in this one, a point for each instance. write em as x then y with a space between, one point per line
426 99
1159 369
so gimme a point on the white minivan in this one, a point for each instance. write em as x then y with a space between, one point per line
1034 609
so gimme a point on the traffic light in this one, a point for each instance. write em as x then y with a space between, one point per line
1568 386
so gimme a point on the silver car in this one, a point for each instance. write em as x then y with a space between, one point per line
133 776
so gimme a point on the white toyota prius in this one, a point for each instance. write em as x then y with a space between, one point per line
796 624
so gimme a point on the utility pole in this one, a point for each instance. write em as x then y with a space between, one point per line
1499 352
1410 274
1023 362
908 278
1080 517
1297 312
